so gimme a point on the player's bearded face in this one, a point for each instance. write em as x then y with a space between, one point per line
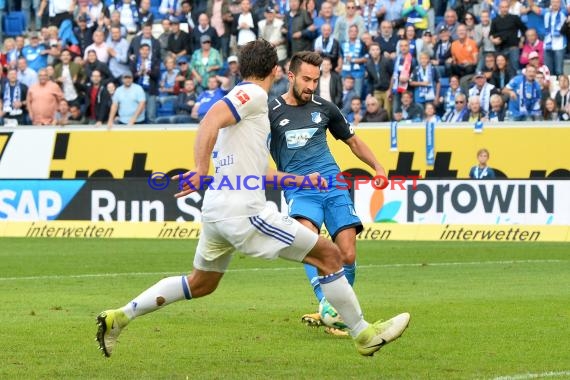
302 95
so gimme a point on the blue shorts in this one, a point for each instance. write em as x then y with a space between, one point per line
335 209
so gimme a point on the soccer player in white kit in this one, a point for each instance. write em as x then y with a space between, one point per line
235 133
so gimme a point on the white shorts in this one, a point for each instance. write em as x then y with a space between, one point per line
268 235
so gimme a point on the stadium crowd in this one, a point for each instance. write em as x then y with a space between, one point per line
167 61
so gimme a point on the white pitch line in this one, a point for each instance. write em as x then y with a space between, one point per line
525 376
408 265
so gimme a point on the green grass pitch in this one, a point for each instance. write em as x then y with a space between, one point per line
479 311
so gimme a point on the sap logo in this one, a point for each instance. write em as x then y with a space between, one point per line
298 138
30 205
283 122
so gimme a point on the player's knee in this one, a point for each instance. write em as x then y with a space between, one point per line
328 256
348 255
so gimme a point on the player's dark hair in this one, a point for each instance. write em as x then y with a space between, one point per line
309 57
257 59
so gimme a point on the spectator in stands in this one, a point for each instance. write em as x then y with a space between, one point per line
425 81
128 102
91 64
532 44
330 84
13 100
442 53
497 109
379 70
27 7
414 44
145 37
56 11
339 7
217 89
128 15
326 16
221 21
206 61
35 53
355 114
374 112
184 73
415 12
476 113
43 100
343 23
170 8
482 170
554 41
99 46
298 27
353 59
370 13
489 66
404 66
387 39
245 24
525 95
118 50
83 34
464 53
270 29
544 86
447 101
70 76
146 69
183 107
481 37
563 97
310 6
543 69
168 81
76 117
26 75
482 90
427 44
408 110
391 11
233 74
430 115
327 46
204 29
146 17
12 53
62 114
347 93
450 23
164 37
503 72
470 23
97 99
280 84
463 7
459 113
550 112
504 34
96 10
179 42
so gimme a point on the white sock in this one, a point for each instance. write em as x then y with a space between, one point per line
164 292
341 296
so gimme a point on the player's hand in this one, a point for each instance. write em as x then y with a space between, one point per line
381 178
189 182
318 181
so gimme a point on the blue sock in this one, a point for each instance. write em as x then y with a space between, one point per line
350 272
313 277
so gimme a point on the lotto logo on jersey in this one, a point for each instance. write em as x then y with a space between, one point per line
298 138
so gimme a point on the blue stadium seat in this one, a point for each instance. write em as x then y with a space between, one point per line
155 3
14 24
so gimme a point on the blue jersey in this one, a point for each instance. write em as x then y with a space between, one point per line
299 139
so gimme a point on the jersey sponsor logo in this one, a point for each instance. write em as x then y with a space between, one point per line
316 117
284 122
297 138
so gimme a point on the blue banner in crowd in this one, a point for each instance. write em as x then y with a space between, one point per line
430 145
394 136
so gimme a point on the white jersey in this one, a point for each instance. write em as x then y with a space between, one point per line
240 151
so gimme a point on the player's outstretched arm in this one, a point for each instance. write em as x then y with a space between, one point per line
365 154
218 117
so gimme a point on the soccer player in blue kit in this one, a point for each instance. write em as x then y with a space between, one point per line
299 122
